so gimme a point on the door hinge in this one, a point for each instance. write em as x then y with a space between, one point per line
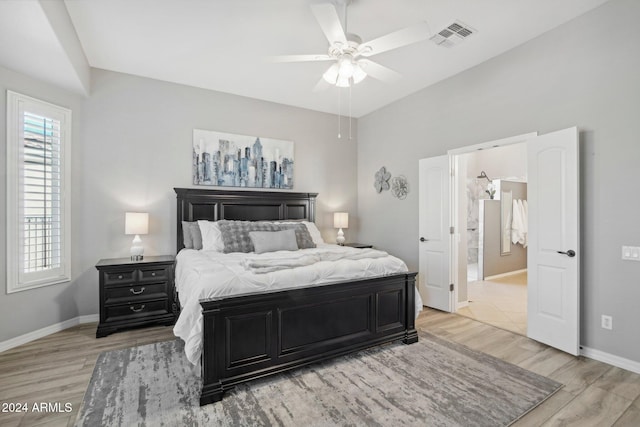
452 230
451 287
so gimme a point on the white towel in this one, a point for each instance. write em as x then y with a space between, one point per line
516 222
520 223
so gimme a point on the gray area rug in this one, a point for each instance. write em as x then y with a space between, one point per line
433 382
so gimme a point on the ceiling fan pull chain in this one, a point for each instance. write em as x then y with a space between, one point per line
339 108
350 116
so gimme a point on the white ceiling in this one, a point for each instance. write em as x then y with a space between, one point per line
225 45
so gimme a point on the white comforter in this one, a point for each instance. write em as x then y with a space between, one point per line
207 274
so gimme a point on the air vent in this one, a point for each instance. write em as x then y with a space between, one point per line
453 34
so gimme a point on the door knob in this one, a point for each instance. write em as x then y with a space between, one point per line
570 253
422 239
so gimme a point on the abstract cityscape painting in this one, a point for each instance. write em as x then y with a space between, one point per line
229 160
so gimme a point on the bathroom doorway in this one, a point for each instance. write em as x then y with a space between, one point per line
492 202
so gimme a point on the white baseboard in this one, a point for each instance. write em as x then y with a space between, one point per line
611 359
462 304
508 273
40 333
89 318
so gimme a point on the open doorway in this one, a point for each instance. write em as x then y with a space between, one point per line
492 204
553 259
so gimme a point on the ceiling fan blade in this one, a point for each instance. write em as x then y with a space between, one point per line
379 72
400 38
301 58
327 17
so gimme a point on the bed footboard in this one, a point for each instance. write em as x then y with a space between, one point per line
251 336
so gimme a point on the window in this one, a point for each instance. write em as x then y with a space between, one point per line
38 193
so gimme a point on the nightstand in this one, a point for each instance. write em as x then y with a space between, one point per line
135 293
358 245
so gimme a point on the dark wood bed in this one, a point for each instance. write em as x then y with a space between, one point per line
251 336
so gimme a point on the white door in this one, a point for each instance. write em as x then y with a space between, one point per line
435 253
554 244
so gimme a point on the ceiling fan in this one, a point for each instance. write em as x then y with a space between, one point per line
349 53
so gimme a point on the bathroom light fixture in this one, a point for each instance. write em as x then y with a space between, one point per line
136 223
340 220
484 175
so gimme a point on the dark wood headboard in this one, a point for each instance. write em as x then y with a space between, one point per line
214 205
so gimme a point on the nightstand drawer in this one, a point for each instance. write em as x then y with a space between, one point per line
134 292
119 277
138 309
153 274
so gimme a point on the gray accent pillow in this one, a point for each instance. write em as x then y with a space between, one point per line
196 235
191 235
303 237
235 234
271 241
187 240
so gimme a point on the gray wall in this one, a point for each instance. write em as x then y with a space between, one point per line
137 134
573 75
131 145
26 311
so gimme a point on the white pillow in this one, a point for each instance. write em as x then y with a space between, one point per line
211 236
271 241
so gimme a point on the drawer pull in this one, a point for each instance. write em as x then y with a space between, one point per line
133 291
137 310
153 274
120 277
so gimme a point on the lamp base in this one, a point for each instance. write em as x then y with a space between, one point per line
340 238
137 250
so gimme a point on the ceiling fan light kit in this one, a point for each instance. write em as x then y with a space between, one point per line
345 72
349 53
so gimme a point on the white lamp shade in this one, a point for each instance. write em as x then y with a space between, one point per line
341 220
345 72
136 223
358 74
331 75
343 81
345 68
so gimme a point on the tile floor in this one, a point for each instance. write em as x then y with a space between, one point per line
500 302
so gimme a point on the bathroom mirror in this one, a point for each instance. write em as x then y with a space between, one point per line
506 200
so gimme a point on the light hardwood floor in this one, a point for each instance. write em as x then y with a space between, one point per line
500 302
57 368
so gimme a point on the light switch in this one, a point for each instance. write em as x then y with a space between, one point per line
631 253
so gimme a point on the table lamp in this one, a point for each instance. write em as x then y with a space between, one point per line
340 220
136 223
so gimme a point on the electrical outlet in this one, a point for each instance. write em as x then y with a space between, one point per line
607 322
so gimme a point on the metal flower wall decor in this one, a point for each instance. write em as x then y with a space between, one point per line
381 181
399 185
